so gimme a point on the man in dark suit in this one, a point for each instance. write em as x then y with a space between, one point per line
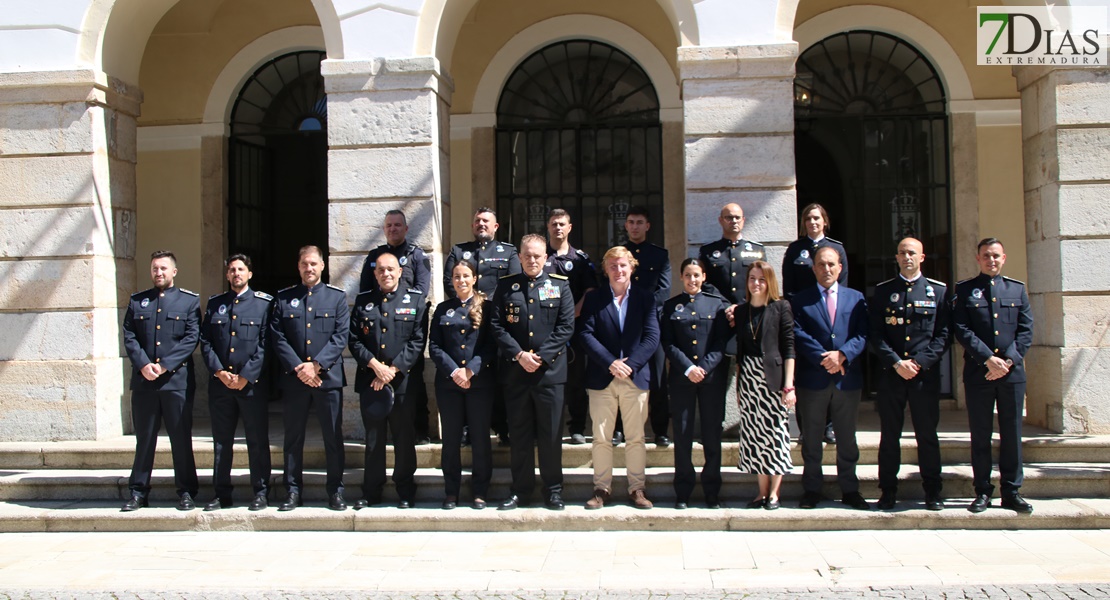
994 324
533 319
909 334
830 335
620 333
160 331
309 326
233 341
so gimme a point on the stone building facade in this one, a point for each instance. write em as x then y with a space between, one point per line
121 132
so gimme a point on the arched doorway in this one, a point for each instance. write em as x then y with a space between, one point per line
872 146
578 128
277 196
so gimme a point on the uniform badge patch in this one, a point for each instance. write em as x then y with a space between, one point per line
977 293
804 254
222 310
451 312
406 300
145 303
404 260
679 308
467 255
716 254
929 291
369 306
894 297
500 248
569 265
748 246
516 287
295 302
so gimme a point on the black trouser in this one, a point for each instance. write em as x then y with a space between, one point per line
417 395
329 411
535 422
459 407
894 394
982 397
708 398
226 406
659 409
148 411
404 448
844 406
575 397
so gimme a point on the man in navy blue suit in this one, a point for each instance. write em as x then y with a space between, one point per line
620 331
830 336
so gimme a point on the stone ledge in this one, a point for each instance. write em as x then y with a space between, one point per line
423 72
737 62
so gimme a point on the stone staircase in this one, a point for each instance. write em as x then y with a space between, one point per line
78 486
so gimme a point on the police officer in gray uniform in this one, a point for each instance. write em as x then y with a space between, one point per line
233 341
160 331
994 323
909 334
387 337
309 327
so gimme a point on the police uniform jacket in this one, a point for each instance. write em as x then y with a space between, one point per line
797 263
390 328
416 269
310 324
992 317
909 321
233 337
653 273
728 263
162 326
533 315
694 332
575 265
455 342
494 259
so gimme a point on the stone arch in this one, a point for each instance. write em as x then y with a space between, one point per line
114 33
920 34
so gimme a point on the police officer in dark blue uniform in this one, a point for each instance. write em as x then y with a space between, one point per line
533 319
160 331
233 340
574 264
387 337
694 332
797 263
909 335
309 327
728 258
416 273
653 275
994 324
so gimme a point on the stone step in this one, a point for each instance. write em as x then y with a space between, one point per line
93 515
1055 480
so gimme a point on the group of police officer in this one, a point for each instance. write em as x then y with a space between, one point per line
538 295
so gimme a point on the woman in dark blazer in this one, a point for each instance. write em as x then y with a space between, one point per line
694 330
764 327
463 350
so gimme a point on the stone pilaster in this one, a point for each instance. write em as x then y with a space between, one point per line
1066 152
388 142
67 204
738 113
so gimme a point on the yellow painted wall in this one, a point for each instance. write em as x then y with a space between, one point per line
953 19
192 43
461 193
169 213
1001 195
491 23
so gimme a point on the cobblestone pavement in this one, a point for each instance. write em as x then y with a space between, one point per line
915 564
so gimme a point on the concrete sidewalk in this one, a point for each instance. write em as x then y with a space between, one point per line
227 564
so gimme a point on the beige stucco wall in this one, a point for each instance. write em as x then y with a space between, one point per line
1001 197
169 214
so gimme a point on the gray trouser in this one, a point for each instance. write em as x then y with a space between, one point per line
842 406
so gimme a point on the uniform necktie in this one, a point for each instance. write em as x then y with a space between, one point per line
830 302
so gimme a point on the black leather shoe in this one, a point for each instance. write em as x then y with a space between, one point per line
980 503
405 504
681 505
510 503
259 503
423 440
933 502
888 500
772 504
503 441
465 441
478 504
662 441
185 502
809 500
712 502
830 435
361 504
618 438
757 503
217 504
136 502
336 502
555 501
1016 503
450 502
856 501
292 501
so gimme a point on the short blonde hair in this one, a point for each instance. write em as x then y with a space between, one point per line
617 253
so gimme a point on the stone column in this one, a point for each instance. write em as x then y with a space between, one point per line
1066 154
67 239
387 149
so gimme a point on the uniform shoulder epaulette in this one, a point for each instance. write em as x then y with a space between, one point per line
214 296
263 295
558 276
140 293
286 289
754 243
891 280
963 281
506 244
834 241
509 276
190 292
1013 280
415 291
336 288
935 282
582 253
